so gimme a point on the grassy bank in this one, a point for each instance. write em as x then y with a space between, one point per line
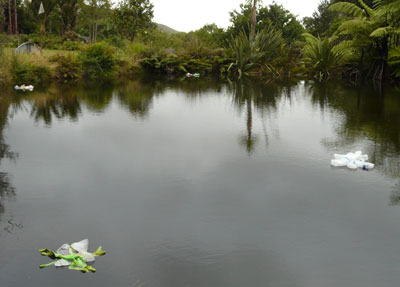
163 54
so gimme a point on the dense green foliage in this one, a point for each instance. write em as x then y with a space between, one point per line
355 39
68 67
321 58
133 16
252 56
98 61
274 14
25 72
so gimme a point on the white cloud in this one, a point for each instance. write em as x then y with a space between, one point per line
187 15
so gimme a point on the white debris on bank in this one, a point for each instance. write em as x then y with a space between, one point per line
352 160
24 88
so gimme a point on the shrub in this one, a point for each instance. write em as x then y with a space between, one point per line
71 46
27 70
68 67
137 50
5 63
173 64
52 42
321 57
70 36
98 61
250 55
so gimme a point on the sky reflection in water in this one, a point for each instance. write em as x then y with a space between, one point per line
201 183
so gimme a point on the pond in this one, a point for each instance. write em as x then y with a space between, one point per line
201 183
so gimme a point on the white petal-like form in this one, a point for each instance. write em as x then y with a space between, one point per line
88 257
81 246
64 249
62 262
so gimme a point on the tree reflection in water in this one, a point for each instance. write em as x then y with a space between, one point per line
366 118
7 191
263 98
370 119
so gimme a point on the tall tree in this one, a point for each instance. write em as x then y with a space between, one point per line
48 7
94 13
274 14
133 16
322 21
15 18
9 18
373 28
253 20
68 13
2 14
369 29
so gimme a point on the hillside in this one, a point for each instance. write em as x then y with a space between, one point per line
166 29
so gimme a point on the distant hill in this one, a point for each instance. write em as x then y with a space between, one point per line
166 29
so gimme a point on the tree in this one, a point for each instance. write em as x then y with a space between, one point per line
285 21
48 6
15 18
2 14
68 13
94 14
324 22
274 14
9 18
211 35
373 28
133 16
253 19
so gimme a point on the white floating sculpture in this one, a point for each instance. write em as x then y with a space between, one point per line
352 160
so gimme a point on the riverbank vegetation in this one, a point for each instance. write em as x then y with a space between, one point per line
356 39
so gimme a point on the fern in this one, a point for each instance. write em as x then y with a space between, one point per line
347 8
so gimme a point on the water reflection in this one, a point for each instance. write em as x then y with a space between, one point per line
190 208
253 97
137 97
367 119
7 190
50 105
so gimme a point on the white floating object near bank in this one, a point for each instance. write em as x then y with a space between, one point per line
195 75
24 88
352 160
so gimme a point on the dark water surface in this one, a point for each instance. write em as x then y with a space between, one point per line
200 183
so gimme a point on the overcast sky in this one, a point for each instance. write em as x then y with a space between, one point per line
187 15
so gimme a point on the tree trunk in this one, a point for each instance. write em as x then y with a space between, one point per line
385 66
250 142
15 18
9 18
43 27
253 20
361 67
